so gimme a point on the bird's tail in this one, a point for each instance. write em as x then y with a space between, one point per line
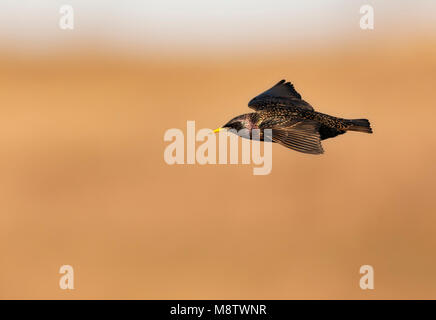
361 125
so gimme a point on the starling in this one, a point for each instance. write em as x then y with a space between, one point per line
293 122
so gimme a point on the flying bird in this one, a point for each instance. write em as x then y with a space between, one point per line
293 122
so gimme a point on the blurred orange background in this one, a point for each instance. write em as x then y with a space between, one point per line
84 182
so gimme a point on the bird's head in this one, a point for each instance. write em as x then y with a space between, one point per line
244 121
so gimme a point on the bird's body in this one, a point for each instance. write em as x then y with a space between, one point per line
329 126
293 121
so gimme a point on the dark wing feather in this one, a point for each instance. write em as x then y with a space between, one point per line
283 94
303 136
326 132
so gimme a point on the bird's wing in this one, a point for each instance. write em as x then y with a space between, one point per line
283 94
301 135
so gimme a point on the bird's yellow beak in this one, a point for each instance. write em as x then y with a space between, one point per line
217 130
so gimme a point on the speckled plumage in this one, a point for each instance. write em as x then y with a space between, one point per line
293 121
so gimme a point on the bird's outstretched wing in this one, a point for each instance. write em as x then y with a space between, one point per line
283 94
297 134
302 137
